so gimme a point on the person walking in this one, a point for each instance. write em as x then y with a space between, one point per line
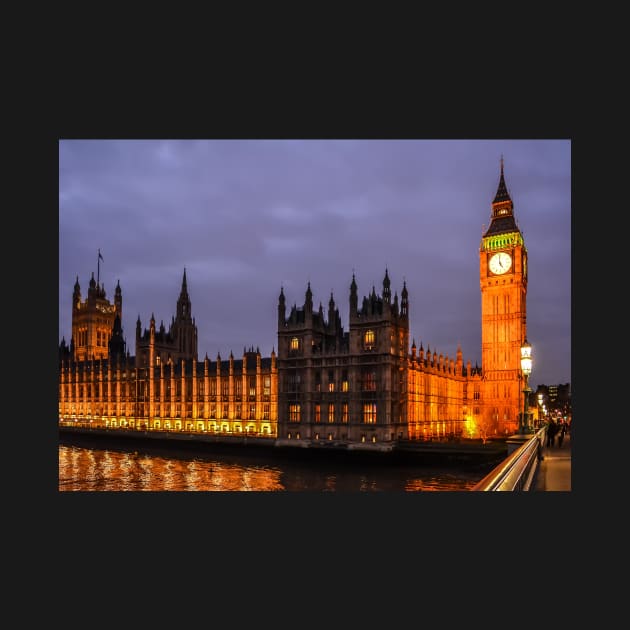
562 429
551 432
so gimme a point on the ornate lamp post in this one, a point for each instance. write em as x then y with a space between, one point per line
526 367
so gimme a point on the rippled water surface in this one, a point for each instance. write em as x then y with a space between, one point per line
100 469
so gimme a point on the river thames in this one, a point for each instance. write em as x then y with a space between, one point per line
89 469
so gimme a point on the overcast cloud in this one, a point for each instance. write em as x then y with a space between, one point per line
247 217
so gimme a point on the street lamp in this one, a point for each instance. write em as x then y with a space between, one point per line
526 367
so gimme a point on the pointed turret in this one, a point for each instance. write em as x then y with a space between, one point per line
281 308
76 295
183 303
308 303
118 299
502 192
404 301
184 285
387 294
331 311
502 219
354 299
117 342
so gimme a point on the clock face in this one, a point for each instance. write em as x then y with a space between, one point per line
500 263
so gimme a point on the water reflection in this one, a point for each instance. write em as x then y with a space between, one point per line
88 469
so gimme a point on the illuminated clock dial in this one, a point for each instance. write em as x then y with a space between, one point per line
500 263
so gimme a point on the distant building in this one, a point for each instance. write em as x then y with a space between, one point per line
555 398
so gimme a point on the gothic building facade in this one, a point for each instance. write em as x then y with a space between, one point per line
163 387
365 385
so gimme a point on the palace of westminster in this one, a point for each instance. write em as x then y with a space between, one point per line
364 385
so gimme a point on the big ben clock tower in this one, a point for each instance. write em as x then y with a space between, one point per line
503 281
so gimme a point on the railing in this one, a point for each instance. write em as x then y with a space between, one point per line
518 471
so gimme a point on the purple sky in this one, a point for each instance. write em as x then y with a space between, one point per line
245 217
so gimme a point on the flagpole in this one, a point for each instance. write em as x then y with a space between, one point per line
98 267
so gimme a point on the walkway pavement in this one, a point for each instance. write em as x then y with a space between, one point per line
554 472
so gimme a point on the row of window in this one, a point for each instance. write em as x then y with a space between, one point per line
102 338
212 412
368 382
212 389
368 413
369 341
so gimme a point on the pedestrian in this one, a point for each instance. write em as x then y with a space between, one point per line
551 432
561 431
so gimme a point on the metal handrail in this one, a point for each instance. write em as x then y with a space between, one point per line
517 472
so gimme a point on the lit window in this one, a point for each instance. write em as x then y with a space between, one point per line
368 339
294 413
318 413
344 381
344 412
295 343
369 413
331 413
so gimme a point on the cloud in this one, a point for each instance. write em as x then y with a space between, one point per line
245 217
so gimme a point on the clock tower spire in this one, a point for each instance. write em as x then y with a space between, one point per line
503 283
